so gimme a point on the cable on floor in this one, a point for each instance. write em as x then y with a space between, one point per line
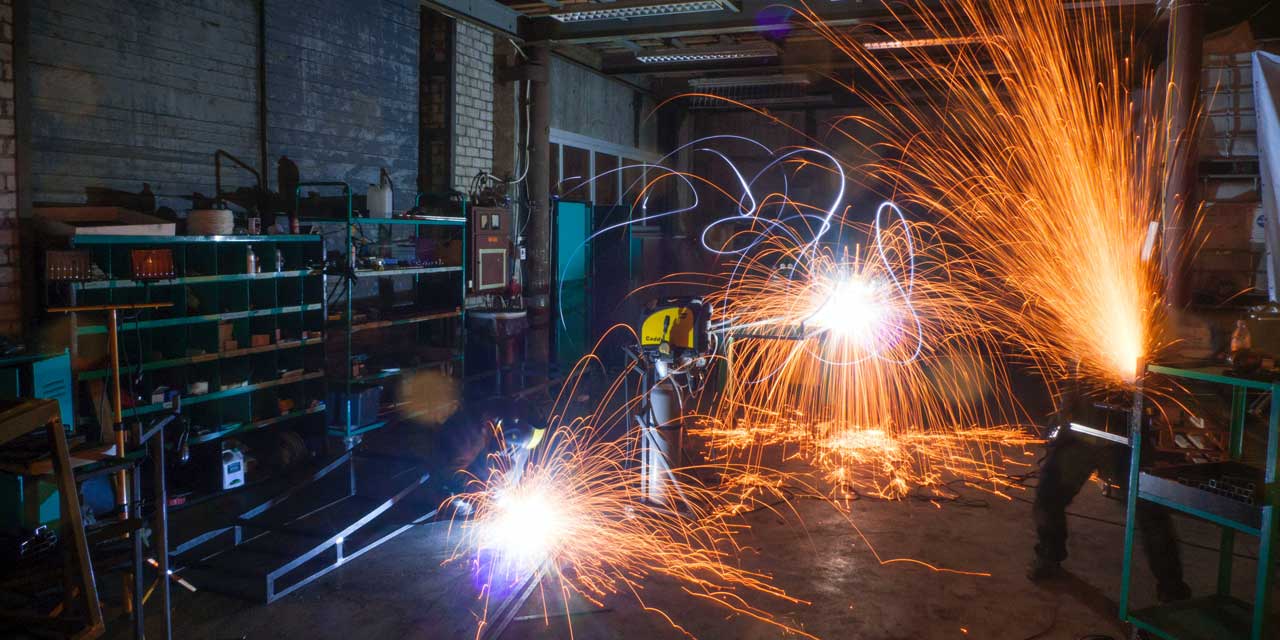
1053 622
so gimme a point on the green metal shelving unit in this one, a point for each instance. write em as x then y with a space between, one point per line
216 300
1220 616
423 314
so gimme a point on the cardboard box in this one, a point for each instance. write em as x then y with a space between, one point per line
101 221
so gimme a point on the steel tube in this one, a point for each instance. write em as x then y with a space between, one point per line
117 411
541 261
1185 48
160 535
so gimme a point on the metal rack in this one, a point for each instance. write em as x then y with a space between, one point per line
1220 616
344 325
210 300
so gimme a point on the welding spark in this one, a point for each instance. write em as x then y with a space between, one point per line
1031 147
869 365
573 517
525 525
849 307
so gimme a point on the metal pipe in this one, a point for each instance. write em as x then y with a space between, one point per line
1185 48
117 412
161 528
262 97
113 354
541 265
139 560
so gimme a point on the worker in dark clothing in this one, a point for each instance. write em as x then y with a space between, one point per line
1071 460
469 442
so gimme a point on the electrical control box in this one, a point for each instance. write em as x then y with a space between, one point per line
490 248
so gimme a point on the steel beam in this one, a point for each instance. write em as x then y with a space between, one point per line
546 29
756 16
488 12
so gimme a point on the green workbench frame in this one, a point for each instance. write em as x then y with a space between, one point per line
345 429
1220 616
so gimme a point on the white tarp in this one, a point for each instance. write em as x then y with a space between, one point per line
1266 99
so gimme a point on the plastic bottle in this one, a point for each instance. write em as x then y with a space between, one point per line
1241 339
251 261
379 197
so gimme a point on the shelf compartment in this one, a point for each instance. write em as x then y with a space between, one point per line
356 431
383 375
213 317
1220 617
1165 489
414 319
451 221
360 273
232 277
94 374
104 240
230 430
226 393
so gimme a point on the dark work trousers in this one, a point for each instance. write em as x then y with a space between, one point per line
1072 458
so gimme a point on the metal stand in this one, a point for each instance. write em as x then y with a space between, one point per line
113 354
129 485
1219 616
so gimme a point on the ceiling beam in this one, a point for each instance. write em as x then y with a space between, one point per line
630 45
756 16
817 55
490 13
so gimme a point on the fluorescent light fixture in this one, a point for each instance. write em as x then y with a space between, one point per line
707 54
625 9
750 81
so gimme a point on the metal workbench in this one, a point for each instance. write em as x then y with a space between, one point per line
1220 616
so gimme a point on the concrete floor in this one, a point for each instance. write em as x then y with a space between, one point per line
401 589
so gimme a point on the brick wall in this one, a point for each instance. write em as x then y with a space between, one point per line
472 103
10 296
342 90
125 92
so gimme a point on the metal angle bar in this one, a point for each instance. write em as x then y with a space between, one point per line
1098 433
332 542
508 609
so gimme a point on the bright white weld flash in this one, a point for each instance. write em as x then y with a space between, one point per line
851 308
524 530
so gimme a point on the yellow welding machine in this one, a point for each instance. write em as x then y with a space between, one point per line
677 324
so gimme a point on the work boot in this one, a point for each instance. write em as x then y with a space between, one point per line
1042 569
1166 593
